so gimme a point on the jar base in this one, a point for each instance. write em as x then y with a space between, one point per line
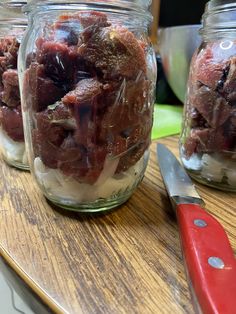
99 206
16 164
67 193
217 185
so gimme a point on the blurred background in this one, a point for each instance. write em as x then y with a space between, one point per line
181 12
169 14
175 35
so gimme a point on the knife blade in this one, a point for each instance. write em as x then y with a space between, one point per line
208 256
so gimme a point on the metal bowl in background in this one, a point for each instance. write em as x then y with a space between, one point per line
176 47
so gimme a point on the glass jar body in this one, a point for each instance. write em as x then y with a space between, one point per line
208 139
12 143
87 81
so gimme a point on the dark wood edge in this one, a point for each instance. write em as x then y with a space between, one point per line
26 287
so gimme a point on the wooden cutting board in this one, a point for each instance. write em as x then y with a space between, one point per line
127 261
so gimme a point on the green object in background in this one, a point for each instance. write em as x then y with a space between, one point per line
167 120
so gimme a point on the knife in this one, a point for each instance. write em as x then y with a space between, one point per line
208 256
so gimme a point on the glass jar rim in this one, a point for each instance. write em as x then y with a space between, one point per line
140 7
13 4
220 4
11 13
219 19
140 3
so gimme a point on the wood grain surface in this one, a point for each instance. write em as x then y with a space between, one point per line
127 261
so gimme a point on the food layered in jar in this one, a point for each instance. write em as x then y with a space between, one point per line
88 106
11 125
208 141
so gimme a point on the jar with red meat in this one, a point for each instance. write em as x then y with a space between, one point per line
208 139
12 26
87 77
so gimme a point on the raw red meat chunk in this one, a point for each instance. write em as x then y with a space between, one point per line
40 90
59 61
128 122
114 51
211 101
9 47
11 92
229 87
52 129
207 141
55 143
10 110
210 61
211 105
11 122
92 99
69 26
86 103
85 92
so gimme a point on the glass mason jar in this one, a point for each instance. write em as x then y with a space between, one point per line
208 139
12 26
87 78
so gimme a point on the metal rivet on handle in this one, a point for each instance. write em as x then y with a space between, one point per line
200 223
216 262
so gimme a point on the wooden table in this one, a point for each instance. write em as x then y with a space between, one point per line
127 261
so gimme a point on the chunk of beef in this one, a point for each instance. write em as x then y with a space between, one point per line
8 54
51 124
11 122
195 118
52 127
128 120
55 144
132 156
59 60
39 90
3 66
211 62
11 92
61 115
211 105
229 87
190 146
87 167
84 94
115 52
116 116
9 47
206 141
47 151
86 102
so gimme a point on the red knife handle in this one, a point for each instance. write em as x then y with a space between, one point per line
205 243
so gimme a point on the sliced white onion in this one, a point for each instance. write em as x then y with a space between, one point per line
108 171
12 151
194 162
59 186
212 168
